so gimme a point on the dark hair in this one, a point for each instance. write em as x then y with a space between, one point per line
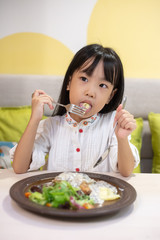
113 71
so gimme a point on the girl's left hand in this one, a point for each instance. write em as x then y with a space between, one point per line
126 123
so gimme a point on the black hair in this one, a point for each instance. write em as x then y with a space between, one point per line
113 71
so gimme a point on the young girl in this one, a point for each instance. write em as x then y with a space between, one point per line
73 143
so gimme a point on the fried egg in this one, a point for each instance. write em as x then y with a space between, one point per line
107 194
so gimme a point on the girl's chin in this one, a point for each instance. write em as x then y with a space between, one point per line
79 119
87 115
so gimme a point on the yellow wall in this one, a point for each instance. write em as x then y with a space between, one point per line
131 27
33 53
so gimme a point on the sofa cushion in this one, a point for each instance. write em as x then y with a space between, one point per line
154 122
13 121
146 150
136 139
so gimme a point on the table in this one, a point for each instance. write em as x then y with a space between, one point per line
141 220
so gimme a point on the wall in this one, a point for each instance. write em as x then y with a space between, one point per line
41 37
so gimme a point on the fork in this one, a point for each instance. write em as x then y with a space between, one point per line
72 108
104 155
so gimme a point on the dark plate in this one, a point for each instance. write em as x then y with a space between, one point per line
127 192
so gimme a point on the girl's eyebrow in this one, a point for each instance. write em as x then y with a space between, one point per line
83 71
100 79
103 79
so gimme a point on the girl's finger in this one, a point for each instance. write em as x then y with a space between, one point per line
130 126
41 94
119 108
46 96
46 100
37 93
119 113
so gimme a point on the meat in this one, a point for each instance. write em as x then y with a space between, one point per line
85 188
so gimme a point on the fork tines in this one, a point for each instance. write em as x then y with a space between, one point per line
77 110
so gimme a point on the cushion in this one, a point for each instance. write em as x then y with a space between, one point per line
13 121
154 122
5 147
136 139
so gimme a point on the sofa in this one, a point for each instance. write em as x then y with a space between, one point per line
142 98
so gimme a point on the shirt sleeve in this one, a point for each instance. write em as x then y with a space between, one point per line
41 145
113 156
11 152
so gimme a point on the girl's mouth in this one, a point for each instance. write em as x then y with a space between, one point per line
86 106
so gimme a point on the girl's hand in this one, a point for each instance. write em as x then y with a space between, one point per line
39 98
126 123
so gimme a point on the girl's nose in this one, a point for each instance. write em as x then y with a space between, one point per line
90 92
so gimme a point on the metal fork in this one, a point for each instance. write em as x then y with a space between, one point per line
104 155
72 108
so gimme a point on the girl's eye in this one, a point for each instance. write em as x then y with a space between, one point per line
84 79
102 85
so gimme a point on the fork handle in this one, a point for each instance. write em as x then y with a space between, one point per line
58 104
123 106
104 155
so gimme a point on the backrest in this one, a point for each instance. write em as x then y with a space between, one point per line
143 96
15 90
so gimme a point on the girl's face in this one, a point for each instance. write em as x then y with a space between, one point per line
94 90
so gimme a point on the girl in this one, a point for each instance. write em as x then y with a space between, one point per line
94 77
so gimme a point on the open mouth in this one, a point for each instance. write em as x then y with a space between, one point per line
86 106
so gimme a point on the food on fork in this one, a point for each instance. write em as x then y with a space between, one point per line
85 106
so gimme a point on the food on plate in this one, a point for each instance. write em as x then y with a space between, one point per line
107 194
72 190
84 186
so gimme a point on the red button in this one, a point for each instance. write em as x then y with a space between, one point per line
80 130
77 170
78 149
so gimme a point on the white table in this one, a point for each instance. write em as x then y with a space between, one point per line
141 220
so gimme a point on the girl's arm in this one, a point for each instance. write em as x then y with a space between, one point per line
126 124
23 153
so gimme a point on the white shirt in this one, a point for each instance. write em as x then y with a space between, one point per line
76 146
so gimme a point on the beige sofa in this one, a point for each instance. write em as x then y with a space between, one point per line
143 97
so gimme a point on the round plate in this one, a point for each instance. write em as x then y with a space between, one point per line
126 191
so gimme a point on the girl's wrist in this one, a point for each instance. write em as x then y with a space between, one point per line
122 140
34 120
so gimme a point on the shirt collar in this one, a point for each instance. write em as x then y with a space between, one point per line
85 122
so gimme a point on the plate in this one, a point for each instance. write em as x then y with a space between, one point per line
127 192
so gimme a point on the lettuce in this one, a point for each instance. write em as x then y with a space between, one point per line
61 195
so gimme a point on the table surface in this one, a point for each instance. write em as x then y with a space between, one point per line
141 220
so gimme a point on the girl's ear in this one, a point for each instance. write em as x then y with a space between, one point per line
68 85
112 95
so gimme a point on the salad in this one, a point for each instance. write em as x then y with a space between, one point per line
72 191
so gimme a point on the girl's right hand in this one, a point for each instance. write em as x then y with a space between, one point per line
39 98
